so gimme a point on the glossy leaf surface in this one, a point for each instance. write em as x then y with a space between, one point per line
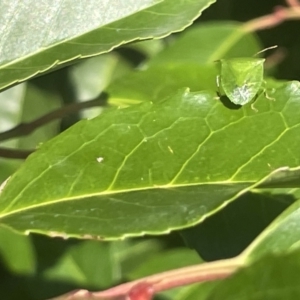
33 41
119 173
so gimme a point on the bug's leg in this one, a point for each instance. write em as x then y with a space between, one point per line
253 108
218 86
252 104
266 94
268 97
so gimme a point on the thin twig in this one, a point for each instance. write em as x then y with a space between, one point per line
26 128
280 14
14 153
293 3
163 281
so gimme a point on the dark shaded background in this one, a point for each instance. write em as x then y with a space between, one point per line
286 35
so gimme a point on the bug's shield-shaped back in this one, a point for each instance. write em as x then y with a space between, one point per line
241 78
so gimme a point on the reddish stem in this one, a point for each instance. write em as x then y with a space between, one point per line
279 15
145 288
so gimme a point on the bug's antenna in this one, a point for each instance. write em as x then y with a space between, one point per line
266 49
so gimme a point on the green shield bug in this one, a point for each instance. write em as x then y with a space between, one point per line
241 78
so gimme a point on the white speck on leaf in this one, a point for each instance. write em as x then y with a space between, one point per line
100 159
170 149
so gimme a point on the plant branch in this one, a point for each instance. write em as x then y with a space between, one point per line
150 285
26 128
280 14
14 153
293 3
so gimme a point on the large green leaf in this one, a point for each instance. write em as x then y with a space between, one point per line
33 41
152 168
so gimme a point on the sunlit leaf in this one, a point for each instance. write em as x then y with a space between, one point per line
33 41
118 174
